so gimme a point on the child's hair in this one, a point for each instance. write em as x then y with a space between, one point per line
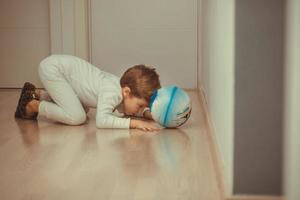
142 80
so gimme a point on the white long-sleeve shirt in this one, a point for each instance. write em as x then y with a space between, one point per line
95 88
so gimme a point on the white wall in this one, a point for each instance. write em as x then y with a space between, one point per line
24 40
158 33
292 114
216 56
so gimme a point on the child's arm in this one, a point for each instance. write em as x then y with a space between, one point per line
104 117
147 114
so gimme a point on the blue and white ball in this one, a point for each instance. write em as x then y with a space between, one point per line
170 106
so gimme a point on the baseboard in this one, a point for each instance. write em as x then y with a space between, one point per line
254 197
214 149
217 160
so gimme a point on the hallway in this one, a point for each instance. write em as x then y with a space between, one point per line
45 160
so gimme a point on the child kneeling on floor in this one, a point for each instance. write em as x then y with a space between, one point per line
73 85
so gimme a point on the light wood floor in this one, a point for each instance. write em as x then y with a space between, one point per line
46 160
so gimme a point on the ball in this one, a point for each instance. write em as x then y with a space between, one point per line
170 106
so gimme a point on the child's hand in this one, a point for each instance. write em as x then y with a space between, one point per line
147 115
143 125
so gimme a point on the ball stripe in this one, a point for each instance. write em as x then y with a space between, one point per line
169 105
153 97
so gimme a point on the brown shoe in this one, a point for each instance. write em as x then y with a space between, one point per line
30 87
26 96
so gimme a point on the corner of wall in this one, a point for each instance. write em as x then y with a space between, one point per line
218 161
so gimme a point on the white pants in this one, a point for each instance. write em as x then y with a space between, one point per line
65 106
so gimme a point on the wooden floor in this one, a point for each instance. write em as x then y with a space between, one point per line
46 160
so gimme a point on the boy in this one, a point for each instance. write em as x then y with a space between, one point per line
73 85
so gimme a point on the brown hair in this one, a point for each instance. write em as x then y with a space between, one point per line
142 80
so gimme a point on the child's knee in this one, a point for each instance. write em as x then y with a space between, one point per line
76 119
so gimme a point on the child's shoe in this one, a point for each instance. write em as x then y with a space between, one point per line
27 94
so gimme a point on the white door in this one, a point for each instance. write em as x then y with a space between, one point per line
161 33
24 40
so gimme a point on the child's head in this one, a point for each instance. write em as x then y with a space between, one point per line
138 84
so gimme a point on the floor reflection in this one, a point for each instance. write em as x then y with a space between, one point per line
29 131
137 153
172 148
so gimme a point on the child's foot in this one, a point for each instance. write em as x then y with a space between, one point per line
31 108
38 93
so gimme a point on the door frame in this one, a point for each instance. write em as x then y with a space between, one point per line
69 27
